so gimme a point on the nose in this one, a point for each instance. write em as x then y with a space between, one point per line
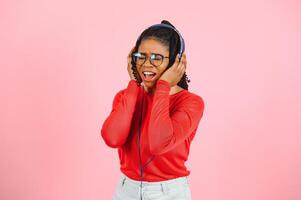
147 60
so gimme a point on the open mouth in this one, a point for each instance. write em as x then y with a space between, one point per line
148 75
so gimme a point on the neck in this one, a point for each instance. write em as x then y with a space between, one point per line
173 89
149 90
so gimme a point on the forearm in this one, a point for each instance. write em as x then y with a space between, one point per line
116 127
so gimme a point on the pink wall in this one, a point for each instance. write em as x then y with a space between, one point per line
62 61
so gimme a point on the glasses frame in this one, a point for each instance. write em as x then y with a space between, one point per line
148 57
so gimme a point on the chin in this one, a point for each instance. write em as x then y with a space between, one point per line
149 83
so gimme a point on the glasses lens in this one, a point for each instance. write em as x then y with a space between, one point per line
138 58
156 59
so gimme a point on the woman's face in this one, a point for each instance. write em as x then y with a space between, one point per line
149 46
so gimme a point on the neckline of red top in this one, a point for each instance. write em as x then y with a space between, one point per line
175 94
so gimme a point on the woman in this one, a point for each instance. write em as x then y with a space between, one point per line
153 120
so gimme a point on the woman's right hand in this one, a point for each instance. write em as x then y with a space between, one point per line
129 67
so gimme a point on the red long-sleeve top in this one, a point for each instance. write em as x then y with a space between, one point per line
169 123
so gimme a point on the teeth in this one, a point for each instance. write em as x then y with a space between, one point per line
149 73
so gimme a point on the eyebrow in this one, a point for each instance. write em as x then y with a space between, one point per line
151 52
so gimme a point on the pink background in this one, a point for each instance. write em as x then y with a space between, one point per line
62 62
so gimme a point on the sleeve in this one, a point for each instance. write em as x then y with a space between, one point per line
167 130
116 127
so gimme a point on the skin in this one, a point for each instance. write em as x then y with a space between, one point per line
172 75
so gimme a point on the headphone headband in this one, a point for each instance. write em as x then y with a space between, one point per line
182 46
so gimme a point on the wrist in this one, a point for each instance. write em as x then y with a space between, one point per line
164 82
162 79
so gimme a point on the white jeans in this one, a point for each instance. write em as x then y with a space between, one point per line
174 189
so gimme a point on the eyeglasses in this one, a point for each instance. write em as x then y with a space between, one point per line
155 59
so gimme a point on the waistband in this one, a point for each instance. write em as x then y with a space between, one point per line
165 183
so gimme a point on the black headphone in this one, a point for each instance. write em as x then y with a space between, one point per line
182 49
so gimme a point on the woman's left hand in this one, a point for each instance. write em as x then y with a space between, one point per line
174 74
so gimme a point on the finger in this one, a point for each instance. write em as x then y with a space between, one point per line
176 63
178 60
129 58
131 51
183 66
184 57
180 67
182 62
182 71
